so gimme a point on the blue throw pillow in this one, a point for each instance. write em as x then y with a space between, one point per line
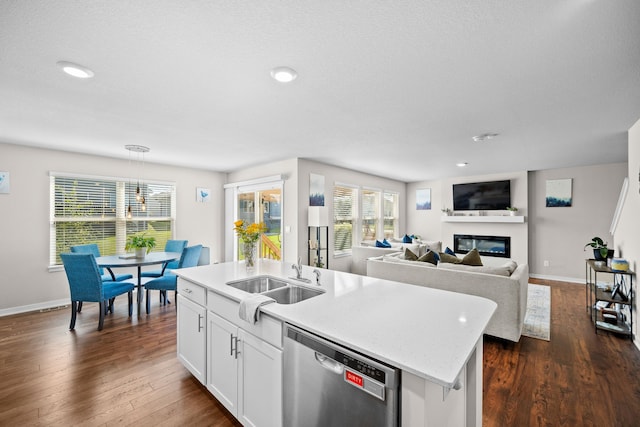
380 244
407 239
436 256
386 244
449 251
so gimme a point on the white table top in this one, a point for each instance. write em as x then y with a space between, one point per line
428 332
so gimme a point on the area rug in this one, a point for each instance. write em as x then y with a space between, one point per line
538 315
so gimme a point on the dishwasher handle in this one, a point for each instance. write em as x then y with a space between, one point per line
329 364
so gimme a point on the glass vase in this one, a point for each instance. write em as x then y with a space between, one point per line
249 252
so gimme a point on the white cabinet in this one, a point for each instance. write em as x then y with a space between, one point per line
244 373
191 324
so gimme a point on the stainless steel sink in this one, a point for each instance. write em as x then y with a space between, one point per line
292 294
258 284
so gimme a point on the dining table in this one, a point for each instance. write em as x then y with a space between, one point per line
130 260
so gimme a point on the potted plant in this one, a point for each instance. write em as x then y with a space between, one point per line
512 210
142 245
600 250
446 211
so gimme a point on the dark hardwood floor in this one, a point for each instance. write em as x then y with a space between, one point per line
128 374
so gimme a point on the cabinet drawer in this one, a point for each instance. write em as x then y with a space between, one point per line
190 290
267 328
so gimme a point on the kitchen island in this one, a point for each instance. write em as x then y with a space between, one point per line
434 337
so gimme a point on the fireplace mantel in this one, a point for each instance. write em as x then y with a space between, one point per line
484 218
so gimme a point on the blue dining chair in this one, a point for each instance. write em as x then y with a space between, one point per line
86 284
169 281
93 249
170 246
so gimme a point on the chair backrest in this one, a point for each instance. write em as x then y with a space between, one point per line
175 245
89 248
190 256
84 278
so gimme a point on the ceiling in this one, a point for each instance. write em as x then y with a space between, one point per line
396 89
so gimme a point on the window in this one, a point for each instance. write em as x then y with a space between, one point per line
390 210
344 215
85 209
370 214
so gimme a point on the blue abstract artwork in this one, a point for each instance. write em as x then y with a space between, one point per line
423 199
558 193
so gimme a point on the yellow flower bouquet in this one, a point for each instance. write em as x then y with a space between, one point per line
249 233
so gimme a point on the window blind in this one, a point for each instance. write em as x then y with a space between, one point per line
344 213
370 214
390 211
85 209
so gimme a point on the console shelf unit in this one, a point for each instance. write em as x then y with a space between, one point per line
594 294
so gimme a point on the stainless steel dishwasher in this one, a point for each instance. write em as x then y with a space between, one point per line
326 384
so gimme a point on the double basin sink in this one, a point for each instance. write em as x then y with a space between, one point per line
282 291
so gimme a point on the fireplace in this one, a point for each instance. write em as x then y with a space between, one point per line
496 246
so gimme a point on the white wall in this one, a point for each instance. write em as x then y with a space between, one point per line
626 234
333 175
428 224
558 235
25 282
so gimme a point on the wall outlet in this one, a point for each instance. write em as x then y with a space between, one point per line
545 263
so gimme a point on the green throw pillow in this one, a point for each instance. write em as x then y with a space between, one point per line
429 257
409 255
472 258
449 258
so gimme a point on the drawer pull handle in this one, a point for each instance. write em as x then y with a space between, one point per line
187 291
200 317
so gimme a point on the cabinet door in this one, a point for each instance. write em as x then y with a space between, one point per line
222 361
191 337
260 378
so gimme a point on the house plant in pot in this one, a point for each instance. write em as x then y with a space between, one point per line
142 245
600 250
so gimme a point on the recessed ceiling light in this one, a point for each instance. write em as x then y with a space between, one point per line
75 70
461 164
284 74
484 137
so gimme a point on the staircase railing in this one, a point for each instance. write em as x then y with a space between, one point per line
269 249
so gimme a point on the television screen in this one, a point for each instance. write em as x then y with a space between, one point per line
482 196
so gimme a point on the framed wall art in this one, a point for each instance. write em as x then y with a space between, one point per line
558 193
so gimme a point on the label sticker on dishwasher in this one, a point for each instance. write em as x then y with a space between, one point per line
353 378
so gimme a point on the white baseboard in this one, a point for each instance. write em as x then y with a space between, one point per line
558 278
46 305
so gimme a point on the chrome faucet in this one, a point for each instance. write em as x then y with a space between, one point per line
298 268
317 273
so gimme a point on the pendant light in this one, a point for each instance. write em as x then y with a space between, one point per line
139 150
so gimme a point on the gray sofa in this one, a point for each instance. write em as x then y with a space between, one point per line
499 280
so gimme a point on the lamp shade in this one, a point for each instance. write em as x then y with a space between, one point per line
318 216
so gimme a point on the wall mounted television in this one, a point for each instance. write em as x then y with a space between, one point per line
482 196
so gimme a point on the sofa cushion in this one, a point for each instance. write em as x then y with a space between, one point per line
472 258
410 255
435 246
407 239
449 251
430 257
383 244
449 259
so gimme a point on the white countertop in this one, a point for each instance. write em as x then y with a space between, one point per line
427 332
